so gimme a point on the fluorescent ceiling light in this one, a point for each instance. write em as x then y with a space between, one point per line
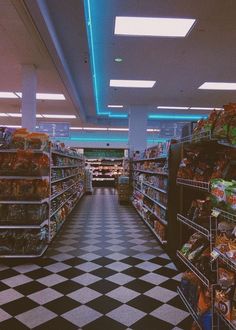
15 115
201 108
3 114
153 26
12 126
59 116
8 95
132 83
115 106
39 116
173 107
153 130
118 129
46 96
76 128
218 86
95 128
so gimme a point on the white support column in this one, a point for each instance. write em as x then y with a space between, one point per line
28 105
137 128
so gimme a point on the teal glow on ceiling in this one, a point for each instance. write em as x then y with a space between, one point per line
90 8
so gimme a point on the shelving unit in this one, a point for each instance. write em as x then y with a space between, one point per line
143 179
189 190
40 229
60 213
33 233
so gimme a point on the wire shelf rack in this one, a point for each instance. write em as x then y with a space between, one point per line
229 324
193 225
194 269
228 261
200 185
224 214
189 307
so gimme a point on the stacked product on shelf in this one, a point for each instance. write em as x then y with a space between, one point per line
105 170
39 185
67 185
220 125
24 193
150 188
198 299
123 189
207 213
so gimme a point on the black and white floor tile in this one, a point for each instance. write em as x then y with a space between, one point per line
105 270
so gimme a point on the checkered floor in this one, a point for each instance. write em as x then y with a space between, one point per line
105 270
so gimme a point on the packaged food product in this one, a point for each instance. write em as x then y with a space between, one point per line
226 278
230 193
223 302
221 129
218 192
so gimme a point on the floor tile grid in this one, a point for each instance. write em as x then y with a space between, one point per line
104 270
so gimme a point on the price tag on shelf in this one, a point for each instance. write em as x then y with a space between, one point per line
215 213
214 254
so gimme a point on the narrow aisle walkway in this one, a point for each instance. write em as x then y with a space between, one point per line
104 271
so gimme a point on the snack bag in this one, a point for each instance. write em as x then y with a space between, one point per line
231 197
232 130
218 189
223 302
221 129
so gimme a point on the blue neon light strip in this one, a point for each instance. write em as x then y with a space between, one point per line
89 27
176 117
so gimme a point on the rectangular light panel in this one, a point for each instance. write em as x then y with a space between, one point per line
46 96
8 95
115 106
218 86
59 116
172 107
153 26
132 83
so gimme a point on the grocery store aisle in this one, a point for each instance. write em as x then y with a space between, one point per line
105 270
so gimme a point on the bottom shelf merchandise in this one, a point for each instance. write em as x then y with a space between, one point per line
198 300
23 242
225 297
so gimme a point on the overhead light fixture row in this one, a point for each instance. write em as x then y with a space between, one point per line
132 83
218 86
153 26
39 96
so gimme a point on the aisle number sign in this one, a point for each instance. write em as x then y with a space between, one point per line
55 130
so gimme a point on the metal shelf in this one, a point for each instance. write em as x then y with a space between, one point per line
200 185
226 215
194 269
25 255
6 177
65 155
194 225
63 203
65 178
64 166
164 222
80 196
154 201
150 227
44 223
154 187
189 307
149 159
46 200
103 179
63 191
151 172
226 259
227 322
